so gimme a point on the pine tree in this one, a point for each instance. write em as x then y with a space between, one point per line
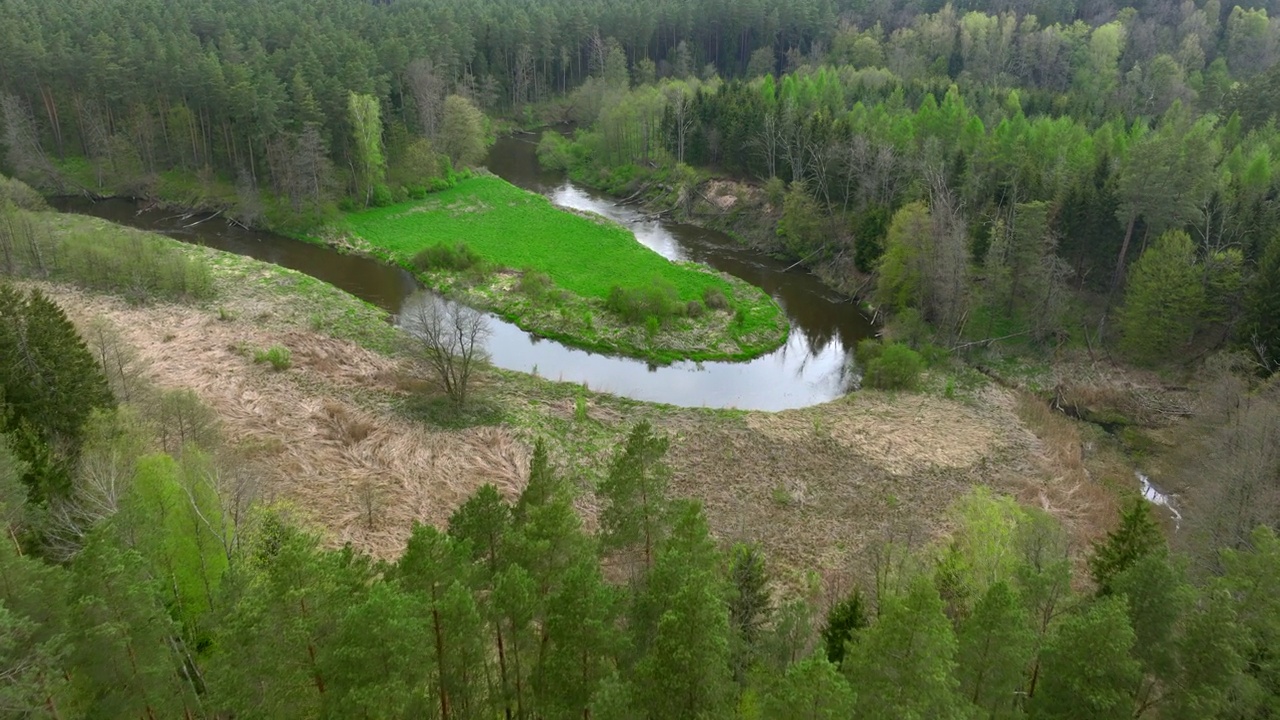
634 496
681 626
281 609
437 570
750 607
374 665
34 647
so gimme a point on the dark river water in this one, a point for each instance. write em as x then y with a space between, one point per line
813 367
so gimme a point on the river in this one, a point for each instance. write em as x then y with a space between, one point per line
814 366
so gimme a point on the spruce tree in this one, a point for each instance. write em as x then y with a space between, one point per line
1164 300
1136 537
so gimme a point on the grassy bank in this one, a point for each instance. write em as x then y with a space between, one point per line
571 277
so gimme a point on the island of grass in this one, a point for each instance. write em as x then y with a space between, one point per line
576 278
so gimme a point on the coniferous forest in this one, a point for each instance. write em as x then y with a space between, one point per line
1029 178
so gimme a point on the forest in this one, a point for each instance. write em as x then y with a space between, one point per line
1000 182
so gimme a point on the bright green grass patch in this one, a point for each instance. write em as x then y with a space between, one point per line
513 228
584 256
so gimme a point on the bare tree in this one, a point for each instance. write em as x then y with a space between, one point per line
429 90
1231 472
450 337
26 154
947 257
119 359
682 117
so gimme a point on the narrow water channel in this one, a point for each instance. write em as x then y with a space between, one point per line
813 367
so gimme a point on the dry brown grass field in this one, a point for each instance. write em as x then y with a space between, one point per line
333 442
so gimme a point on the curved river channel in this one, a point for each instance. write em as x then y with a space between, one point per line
814 366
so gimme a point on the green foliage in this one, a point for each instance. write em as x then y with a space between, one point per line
1087 667
900 280
583 256
891 366
135 265
442 256
714 299
811 689
463 133
1137 536
1164 301
682 628
49 384
533 283
657 301
843 620
172 518
904 664
633 494
750 605
801 226
278 356
366 128
869 233
995 647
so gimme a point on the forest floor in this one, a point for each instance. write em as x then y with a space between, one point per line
356 439
552 272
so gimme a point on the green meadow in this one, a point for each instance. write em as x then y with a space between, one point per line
585 257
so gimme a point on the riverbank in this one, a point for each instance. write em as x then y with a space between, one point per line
576 278
354 420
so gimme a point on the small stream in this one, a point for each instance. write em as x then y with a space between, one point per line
814 366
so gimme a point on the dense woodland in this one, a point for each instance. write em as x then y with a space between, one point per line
1053 173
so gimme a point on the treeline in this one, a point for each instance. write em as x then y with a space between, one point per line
162 96
141 577
980 208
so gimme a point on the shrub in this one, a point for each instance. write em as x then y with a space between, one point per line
446 257
893 367
533 283
740 317
694 309
657 300
382 196
135 265
714 298
277 355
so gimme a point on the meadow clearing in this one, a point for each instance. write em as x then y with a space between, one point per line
562 275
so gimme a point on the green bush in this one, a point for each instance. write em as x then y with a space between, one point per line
694 309
533 283
714 299
277 355
447 257
890 367
657 300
